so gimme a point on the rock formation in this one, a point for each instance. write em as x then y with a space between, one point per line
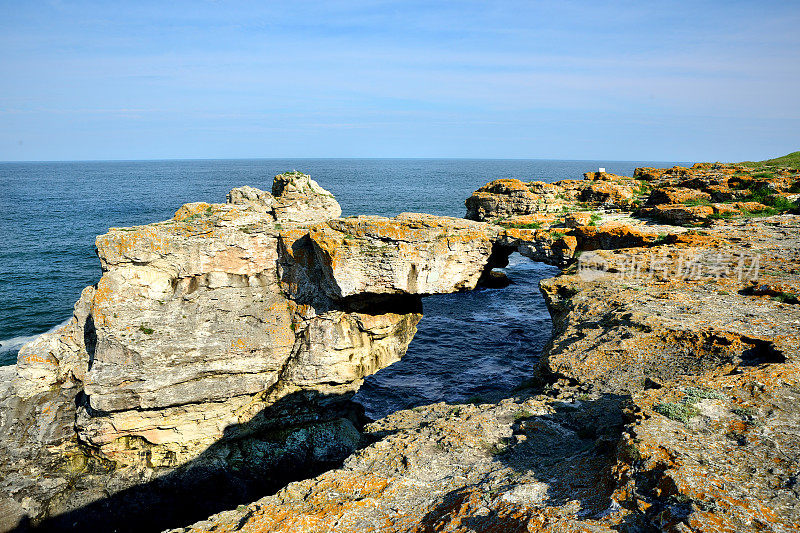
234 334
209 332
667 399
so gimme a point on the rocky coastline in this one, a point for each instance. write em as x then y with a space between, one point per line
215 361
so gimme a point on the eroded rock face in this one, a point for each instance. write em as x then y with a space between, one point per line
667 399
506 197
302 200
409 254
512 466
226 323
501 199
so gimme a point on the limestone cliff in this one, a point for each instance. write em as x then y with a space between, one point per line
667 399
210 332
216 356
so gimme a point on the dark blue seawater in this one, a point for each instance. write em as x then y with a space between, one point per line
468 345
50 213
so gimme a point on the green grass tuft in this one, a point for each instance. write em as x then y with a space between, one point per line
676 411
662 238
522 415
685 409
529 225
764 175
789 160
694 394
722 216
787 298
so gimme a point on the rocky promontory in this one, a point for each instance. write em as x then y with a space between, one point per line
216 357
219 350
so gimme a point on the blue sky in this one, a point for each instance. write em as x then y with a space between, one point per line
564 80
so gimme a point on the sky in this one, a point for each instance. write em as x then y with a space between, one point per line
662 81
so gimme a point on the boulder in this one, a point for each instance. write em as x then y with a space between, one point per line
251 196
301 200
507 197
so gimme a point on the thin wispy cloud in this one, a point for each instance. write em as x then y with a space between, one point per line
617 80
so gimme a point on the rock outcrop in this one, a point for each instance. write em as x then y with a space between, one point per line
210 332
234 334
409 254
667 399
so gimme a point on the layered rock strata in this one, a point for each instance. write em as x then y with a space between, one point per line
667 399
220 346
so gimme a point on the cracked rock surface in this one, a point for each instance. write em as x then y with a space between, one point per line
221 347
667 399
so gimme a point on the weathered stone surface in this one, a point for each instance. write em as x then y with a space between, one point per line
667 399
682 324
193 340
676 195
679 214
514 465
506 197
158 314
604 176
60 356
251 196
409 254
618 195
685 196
503 199
301 200
730 465
681 196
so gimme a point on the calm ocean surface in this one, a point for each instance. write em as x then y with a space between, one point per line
467 344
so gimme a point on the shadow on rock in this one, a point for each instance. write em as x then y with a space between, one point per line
560 470
249 462
569 452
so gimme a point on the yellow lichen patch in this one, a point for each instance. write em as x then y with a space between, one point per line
140 243
236 260
505 185
239 344
610 236
192 209
280 330
102 302
694 239
529 219
525 234
337 503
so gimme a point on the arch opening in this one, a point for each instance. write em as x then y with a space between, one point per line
469 345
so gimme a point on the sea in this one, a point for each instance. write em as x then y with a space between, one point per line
468 345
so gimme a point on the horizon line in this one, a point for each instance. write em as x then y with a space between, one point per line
6 161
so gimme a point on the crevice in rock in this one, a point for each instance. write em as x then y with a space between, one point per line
378 304
89 340
762 352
